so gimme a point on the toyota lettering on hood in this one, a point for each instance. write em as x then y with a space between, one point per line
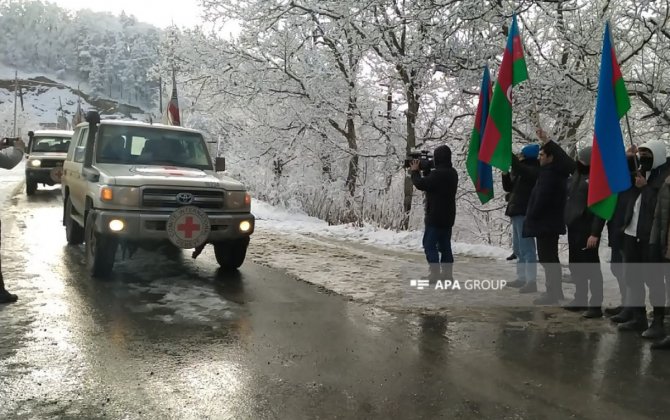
139 175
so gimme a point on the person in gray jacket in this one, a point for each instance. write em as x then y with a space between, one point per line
9 158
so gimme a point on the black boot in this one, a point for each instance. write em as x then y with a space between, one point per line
516 283
447 271
656 330
575 306
434 272
511 257
530 287
6 297
613 311
638 323
546 299
592 313
625 315
662 345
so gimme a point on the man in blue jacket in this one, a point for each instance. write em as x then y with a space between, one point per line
9 158
440 188
519 184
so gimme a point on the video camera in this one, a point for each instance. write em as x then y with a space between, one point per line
425 158
8 142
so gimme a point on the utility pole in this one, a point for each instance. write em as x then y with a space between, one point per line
16 92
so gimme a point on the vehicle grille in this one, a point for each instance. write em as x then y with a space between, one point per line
50 163
167 198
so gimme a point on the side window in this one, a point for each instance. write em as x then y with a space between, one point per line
80 148
73 144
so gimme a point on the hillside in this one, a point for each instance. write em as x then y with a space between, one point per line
44 100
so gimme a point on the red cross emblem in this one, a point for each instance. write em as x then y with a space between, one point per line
188 227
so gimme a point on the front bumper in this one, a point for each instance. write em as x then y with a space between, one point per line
44 175
143 226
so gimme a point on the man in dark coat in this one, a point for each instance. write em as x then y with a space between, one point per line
615 229
584 230
639 250
545 219
519 184
440 188
9 158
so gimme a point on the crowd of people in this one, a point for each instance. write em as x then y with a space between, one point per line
548 197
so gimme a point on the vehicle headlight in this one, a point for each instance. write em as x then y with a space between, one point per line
237 200
35 163
123 196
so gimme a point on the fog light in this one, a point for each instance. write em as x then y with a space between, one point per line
245 226
36 163
116 225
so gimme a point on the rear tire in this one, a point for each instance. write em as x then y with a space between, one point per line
73 232
31 187
100 249
231 254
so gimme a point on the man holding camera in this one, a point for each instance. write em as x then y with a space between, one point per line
9 158
440 187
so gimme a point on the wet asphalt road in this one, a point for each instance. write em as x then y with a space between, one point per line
167 338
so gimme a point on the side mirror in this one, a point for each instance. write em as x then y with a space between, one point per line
220 164
79 153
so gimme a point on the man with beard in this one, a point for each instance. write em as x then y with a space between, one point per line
545 215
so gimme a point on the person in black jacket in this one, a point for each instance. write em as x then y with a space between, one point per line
545 219
440 205
584 230
637 248
9 158
519 184
614 238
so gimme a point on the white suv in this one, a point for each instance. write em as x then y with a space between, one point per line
143 185
45 152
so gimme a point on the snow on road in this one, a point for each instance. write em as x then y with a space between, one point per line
10 180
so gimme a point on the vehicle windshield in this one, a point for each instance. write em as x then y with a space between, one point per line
128 145
50 144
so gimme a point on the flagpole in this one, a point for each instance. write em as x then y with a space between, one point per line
160 94
16 91
632 145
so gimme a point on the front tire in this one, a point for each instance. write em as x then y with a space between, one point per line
231 254
31 187
73 232
100 249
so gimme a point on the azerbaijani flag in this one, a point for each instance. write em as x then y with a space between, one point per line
480 172
609 173
496 147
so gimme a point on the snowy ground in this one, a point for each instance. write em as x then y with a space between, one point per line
10 180
297 222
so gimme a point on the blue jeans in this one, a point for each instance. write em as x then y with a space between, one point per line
524 249
437 241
